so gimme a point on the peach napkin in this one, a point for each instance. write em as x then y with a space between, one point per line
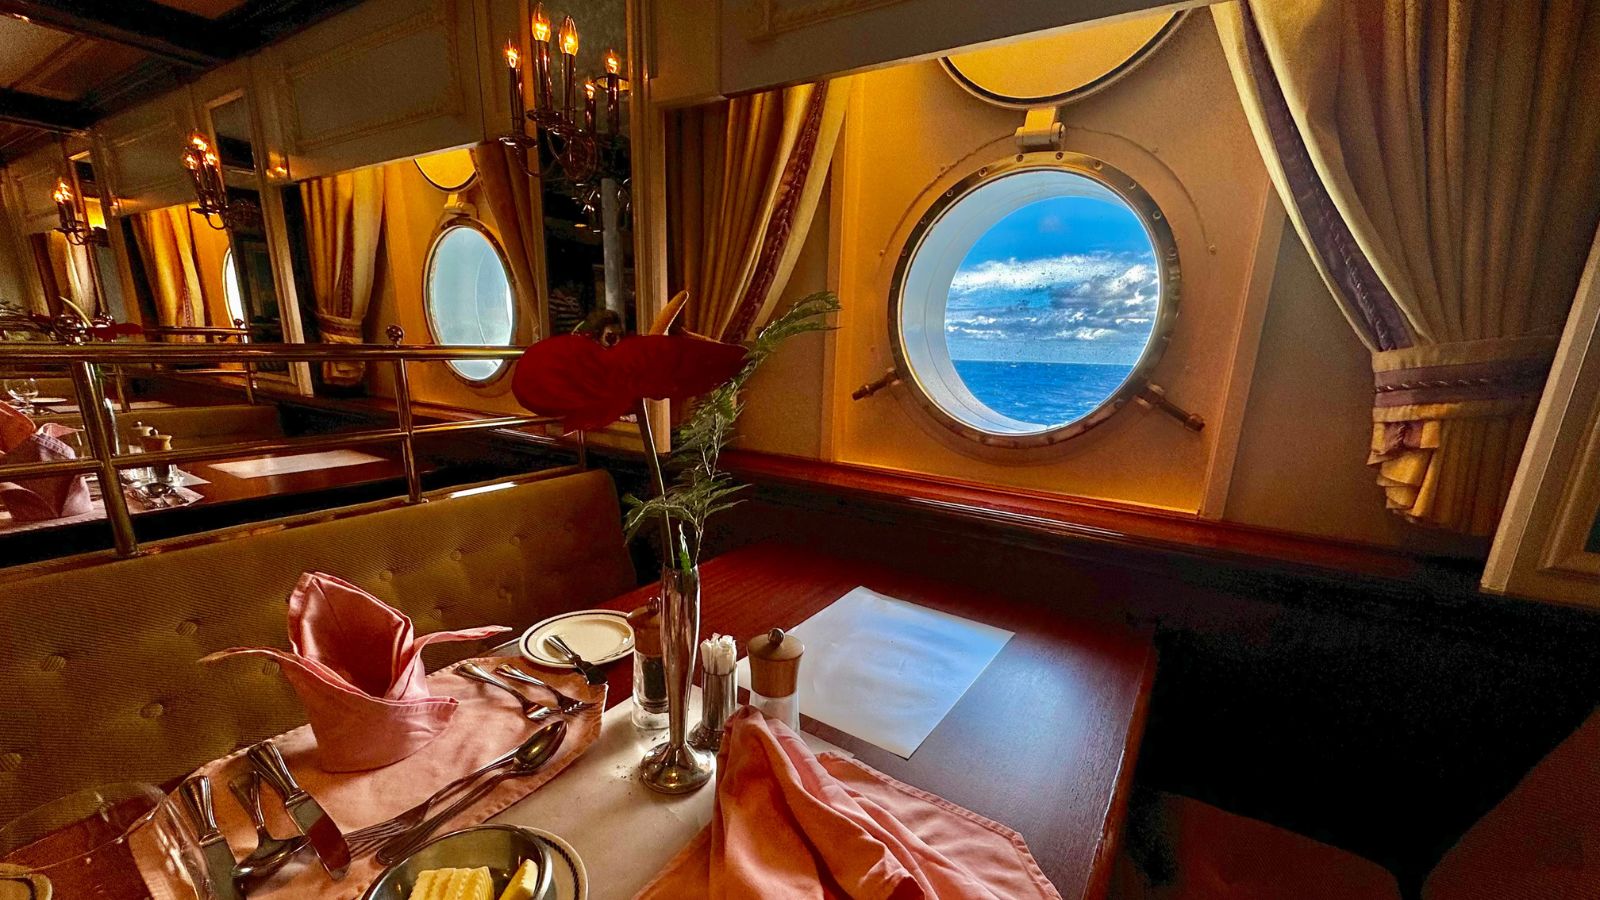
356 663
488 723
44 497
789 823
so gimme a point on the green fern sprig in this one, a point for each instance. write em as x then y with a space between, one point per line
699 489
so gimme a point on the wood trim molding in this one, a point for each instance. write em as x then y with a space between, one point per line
1094 521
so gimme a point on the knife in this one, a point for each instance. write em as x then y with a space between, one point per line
591 672
318 827
196 793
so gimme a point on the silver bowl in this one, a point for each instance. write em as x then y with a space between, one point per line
501 848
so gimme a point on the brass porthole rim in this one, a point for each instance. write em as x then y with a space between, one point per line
465 221
1169 274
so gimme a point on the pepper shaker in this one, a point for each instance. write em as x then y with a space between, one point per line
649 670
775 675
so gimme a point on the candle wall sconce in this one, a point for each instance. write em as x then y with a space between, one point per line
211 192
578 150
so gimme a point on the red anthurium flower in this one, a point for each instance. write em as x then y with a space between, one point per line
590 386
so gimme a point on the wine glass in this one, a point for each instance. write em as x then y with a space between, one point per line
119 842
23 390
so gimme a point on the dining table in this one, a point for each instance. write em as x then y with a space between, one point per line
1044 741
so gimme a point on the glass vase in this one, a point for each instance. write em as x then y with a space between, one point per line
674 767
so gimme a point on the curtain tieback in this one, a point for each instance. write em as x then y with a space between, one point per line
340 329
1461 379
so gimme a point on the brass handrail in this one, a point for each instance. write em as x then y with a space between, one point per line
83 362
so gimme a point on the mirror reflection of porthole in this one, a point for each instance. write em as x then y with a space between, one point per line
1031 301
468 296
232 288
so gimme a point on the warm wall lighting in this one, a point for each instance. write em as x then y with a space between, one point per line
574 148
72 223
210 191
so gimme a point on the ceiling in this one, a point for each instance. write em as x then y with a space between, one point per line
64 64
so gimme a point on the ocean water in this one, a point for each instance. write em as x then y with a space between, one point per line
1043 393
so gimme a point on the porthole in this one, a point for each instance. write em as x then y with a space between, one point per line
1032 299
467 292
232 288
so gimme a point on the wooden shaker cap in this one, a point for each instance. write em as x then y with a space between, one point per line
646 624
775 663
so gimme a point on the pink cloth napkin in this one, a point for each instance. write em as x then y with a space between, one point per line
44 497
356 663
488 723
789 823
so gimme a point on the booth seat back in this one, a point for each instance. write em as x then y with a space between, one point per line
195 426
1542 841
99 679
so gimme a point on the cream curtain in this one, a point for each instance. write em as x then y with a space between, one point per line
344 220
166 246
514 204
1441 159
72 264
745 186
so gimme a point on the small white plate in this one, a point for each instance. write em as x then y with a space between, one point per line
570 879
48 401
599 636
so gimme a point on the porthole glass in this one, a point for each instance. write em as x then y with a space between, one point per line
1031 298
232 290
469 297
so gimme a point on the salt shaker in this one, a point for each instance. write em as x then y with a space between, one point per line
649 670
775 675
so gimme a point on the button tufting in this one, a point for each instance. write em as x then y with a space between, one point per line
516 539
455 555
269 668
53 663
152 711
188 627
10 762
438 613
505 593
386 575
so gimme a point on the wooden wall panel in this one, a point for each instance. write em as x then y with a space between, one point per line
141 149
387 80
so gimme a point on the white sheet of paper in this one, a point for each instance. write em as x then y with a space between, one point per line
624 832
300 462
885 670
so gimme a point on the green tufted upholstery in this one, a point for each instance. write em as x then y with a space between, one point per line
196 426
98 665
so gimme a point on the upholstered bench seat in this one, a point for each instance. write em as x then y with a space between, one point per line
98 665
196 426
1541 842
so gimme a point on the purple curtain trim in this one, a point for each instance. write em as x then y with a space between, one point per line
1330 235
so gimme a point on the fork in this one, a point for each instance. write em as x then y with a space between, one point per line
370 838
532 710
565 703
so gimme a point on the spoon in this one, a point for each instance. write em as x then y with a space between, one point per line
270 853
529 758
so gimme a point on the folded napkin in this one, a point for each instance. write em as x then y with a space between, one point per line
789 823
356 663
488 723
47 496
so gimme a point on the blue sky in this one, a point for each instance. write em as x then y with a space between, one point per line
1068 279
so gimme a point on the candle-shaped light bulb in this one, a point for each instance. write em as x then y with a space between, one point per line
541 24
198 141
613 63
588 105
514 68
569 36
513 56
63 194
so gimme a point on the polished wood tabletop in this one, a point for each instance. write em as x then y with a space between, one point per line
1044 741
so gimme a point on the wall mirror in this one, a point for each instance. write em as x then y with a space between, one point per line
249 292
73 260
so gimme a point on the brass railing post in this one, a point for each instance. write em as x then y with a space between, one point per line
402 401
92 408
249 367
